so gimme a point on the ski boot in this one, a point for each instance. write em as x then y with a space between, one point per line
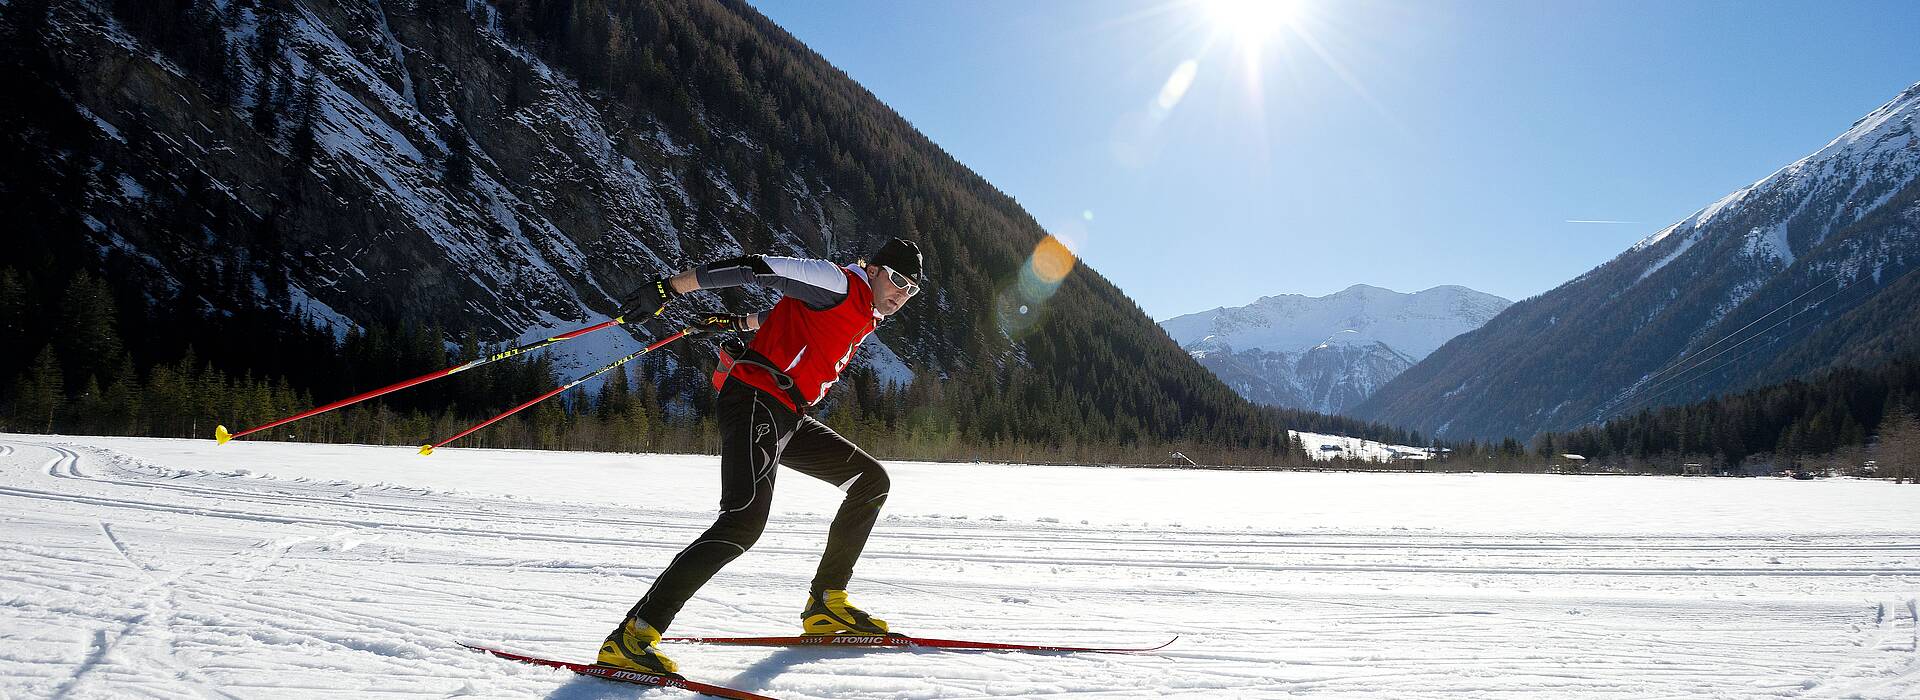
829 613
631 646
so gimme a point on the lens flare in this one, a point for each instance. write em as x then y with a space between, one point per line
1020 306
1177 85
1051 260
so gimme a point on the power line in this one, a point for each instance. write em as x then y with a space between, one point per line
1738 331
1656 380
1648 400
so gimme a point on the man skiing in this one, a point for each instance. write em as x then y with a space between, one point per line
766 388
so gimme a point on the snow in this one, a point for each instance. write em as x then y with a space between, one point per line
1704 216
1655 238
1678 250
105 128
1770 242
1326 447
129 187
399 66
1878 149
1413 324
167 568
887 366
114 240
299 298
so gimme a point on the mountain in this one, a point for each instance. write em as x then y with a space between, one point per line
1327 353
1807 268
499 171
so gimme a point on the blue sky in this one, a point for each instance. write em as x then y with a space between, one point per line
1399 144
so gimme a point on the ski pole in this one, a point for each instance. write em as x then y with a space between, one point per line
428 449
221 436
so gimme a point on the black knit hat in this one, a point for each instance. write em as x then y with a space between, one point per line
901 255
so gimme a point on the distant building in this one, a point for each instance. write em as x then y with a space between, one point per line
1568 463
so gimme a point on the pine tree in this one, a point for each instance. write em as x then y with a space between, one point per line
616 398
204 50
1898 449
85 338
37 396
83 411
305 143
459 167
272 88
13 320
120 409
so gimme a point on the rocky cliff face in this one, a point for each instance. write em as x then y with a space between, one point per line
1800 270
1327 353
370 162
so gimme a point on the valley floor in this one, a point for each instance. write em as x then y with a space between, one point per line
172 568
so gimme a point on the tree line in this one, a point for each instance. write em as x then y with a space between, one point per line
78 373
1847 420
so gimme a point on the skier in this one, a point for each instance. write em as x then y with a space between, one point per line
766 388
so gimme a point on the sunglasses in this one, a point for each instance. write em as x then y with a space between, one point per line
904 282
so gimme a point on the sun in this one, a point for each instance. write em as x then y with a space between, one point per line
1251 22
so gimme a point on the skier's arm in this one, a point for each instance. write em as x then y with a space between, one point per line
818 283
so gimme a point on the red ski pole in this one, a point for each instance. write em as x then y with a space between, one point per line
428 449
221 436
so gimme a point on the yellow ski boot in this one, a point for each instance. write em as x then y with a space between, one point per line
830 613
632 646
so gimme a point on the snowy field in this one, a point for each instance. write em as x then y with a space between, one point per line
1326 447
178 569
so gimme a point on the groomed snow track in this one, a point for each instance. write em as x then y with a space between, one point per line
151 568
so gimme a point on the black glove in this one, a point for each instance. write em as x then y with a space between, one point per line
648 300
720 323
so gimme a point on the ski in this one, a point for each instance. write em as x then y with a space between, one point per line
901 640
626 676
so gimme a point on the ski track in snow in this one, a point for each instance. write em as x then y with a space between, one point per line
139 567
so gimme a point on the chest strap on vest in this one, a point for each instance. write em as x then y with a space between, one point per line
734 352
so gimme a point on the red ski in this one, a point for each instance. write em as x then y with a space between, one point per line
901 640
623 675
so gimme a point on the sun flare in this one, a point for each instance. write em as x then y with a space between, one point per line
1252 22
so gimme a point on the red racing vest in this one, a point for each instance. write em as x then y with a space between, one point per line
810 346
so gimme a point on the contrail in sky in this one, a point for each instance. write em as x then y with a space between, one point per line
1598 221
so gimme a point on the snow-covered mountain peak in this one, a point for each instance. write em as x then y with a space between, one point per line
1412 324
1794 273
1879 145
1364 290
1325 353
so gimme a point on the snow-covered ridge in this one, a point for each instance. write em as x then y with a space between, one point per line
1327 353
1879 148
1812 241
1414 324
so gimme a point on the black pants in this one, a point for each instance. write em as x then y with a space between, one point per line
757 432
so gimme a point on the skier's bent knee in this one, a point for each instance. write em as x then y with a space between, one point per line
871 484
